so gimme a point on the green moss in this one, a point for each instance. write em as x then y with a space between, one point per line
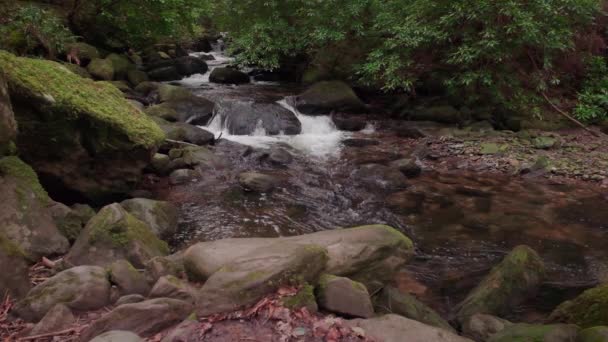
66 94
588 310
26 177
304 298
533 333
595 334
9 248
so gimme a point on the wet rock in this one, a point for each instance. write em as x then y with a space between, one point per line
114 234
344 296
363 253
349 124
481 327
137 77
247 279
228 76
130 299
305 298
353 142
117 336
165 74
160 163
172 287
183 176
391 300
168 92
277 157
122 64
510 283
408 166
257 182
101 69
189 65
145 318
160 216
587 310
192 109
394 328
188 133
60 317
595 334
186 331
128 279
532 332
324 97
146 88
25 218
79 288
244 118
194 157
380 176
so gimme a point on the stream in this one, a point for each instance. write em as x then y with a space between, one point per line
462 222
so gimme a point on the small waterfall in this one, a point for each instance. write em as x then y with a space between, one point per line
220 60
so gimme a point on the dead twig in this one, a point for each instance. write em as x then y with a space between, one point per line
569 117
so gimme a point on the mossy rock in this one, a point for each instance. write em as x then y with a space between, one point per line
78 70
122 64
8 125
587 310
136 77
114 234
160 216
78 121
16 281
305 298
327 96
101 69
536 333
167 92
343 296
509 284
84 51
595 334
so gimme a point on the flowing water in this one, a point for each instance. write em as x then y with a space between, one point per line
462 223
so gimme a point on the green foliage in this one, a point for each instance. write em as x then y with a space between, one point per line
30 28
593 98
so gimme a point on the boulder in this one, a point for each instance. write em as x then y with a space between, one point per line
101 69
587 310
168 92
8 126
122 64
160 163
79 288
245 280
228 76
394 328
192 109
137 77
595 334
344 297
509 284
69 222
25 218
379 176
391 300
245 118
130 299
114 234
257 182
128 279
145 318
146 88
187 133
13 258
117 336
59 318
194 157
172 287
165 74
304 298
183 176
328 96
85 52
164 266
364 253
277 157
189 65
544 143
481 327
349 124
94 126
160 216
533 332
78 70
186 331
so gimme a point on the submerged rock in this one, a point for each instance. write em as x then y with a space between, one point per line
114 234
587 310
510 283
79 288
160 216
328 96
78 122
408 166
394 328
228 76
533 332
344 296
244 118
257 182
183 176
380 176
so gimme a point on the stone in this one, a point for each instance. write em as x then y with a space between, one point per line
79 288
136 77
122 64
391 300
114 234
94 126
172 287
168 92
186 331
85 52
165 74
78 70
183 176
160 163
408 166
481 327
188 133
544 142
121 85
533 332
117 336
101 69
587 310
325 97
164 266
344 297
257 182
25 217
199 158
12 257
59 318
189 65
361 253
489 148
128 279
277 157
595 334
130 299
146 88
136 104
378 176
160 216
395 328
69 222
349 124
304 298
245 280
145 318
511 282
245 118
228 76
